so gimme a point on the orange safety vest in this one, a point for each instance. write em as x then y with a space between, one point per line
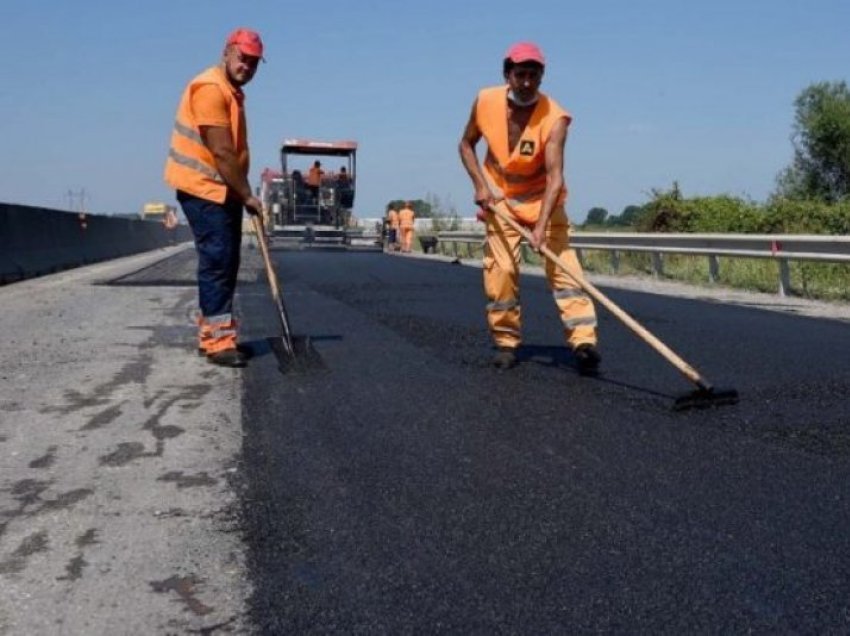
518 176
190 165
392 215
405 218
314 177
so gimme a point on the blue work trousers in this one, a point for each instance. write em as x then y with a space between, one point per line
217 228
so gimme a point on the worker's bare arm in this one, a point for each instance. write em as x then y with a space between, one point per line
471 137
554 159
218 140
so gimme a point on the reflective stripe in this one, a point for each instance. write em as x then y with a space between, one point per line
502 305
218 320
490 160
509 330
222 333
188 132
572 323
519 199
568 292
194 164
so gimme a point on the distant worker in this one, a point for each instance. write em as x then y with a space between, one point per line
526 132
392 222
406 218
314 178
169 219
208 166
342 177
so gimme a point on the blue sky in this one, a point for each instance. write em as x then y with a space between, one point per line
660 90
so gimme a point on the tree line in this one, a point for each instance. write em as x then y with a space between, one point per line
812 194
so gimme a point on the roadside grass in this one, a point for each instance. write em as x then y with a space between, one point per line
822 281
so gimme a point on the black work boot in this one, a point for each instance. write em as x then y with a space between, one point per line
505 358
232 358
245 350
588 359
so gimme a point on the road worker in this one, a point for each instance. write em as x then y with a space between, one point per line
314 179
208 165
406 217
526 132
392 221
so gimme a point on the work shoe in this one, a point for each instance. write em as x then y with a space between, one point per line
505 358
588 359
232 358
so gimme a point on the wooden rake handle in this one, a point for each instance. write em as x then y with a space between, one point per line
642 332
259 229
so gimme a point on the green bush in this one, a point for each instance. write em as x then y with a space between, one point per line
785 216
669 211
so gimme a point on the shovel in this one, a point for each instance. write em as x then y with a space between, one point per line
294 353
704 396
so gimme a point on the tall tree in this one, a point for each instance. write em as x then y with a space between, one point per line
628 218
821 138
596 216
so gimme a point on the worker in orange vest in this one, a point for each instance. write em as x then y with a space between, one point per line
392 221
208 165
314 178
526 132
406 218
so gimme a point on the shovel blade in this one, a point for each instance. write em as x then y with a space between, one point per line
303 358
705 398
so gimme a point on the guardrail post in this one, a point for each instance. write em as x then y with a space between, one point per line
784 278
615 261
713 268
657 265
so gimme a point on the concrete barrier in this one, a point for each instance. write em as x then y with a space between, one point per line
37 241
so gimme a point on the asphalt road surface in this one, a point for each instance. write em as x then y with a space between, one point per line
408 487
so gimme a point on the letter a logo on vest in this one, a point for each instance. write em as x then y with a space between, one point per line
526 148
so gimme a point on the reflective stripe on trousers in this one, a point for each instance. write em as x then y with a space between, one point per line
217 333
501 284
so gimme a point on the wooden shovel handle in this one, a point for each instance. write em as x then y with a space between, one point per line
259 229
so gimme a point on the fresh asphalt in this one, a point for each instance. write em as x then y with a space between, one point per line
407 487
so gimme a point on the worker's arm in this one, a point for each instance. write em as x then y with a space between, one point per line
554 158
471 136
220 144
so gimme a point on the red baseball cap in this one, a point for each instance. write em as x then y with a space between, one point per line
247 41
525 52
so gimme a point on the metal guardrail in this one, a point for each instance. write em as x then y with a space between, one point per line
779 247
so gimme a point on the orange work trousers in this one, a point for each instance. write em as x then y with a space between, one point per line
501 284
406 239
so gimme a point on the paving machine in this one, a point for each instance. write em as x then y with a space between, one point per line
305 207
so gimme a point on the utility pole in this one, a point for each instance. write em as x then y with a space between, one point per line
77 200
